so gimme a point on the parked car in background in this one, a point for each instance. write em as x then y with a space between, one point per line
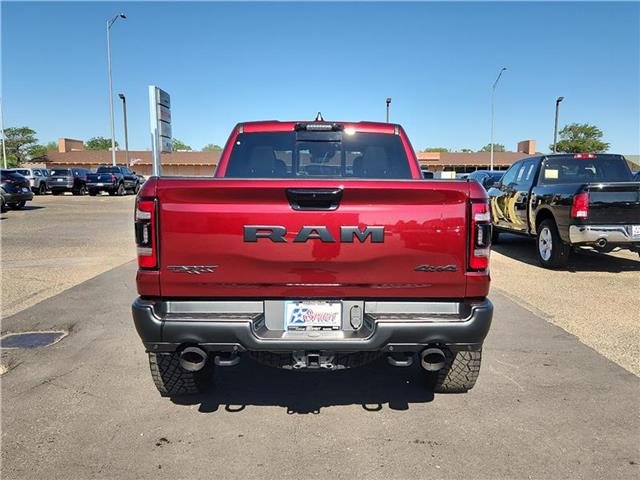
72 180
16 190
486 178
569 200
115 180
636 176
37 178
426 173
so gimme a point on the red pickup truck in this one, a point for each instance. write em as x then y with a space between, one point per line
316 245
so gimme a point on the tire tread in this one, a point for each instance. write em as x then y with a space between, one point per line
172 380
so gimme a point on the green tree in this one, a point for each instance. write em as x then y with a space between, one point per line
436 149
38 151
19 142
497 147
466 150
580 138
98 143
179 145
211 147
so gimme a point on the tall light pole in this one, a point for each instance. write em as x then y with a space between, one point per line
555 128
4 149
126 135
493 101
113 135
388 104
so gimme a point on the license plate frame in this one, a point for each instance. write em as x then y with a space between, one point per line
312 315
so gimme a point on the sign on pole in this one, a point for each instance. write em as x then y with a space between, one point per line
160 123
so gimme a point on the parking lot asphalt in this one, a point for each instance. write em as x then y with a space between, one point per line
595 297
55 243
545 406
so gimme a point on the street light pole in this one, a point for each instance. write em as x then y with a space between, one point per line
388 104
126 135
4 149
493 99
555 128
113 135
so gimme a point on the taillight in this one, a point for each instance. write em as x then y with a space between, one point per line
113 178
145 227
584 155
580 206
480 241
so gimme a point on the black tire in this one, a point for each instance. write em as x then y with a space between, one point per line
3 206
551 250
42 189
93 193
121 190
172 380
460 372
136 189
17 205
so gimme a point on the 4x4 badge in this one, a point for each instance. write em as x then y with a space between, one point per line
192 269
436 268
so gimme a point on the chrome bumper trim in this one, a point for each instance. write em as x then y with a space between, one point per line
593 233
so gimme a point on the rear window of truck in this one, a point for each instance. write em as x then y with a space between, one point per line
318 155
585 169
60 172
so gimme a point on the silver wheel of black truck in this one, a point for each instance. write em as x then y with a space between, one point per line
460 372
172 380
552 251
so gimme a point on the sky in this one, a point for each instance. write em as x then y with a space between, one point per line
225 63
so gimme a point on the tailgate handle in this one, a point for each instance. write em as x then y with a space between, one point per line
314 198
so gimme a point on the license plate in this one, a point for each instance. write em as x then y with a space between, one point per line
310 315
60 179
100 184
635 231
25 189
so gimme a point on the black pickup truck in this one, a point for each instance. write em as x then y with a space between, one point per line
115 180
569 200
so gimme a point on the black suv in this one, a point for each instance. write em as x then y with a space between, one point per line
72 180
15 190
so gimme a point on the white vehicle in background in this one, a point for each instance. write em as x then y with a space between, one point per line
37 178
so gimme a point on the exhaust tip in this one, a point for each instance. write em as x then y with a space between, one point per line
193 359
602 242
432 359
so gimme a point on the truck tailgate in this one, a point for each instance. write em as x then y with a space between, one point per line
614 203
422 255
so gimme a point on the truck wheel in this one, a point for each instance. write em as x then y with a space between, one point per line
136 189
42 189
172 380
460 372
552 251
121 191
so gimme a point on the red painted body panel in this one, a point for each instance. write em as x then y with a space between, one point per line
200 222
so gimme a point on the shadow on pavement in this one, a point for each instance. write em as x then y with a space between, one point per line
27 207
371 386
523 249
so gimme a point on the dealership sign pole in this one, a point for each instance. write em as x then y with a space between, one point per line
160 124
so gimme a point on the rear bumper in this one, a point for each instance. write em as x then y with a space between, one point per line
165 326
105 187
591 234
18 197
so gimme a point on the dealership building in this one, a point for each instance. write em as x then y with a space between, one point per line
71 153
